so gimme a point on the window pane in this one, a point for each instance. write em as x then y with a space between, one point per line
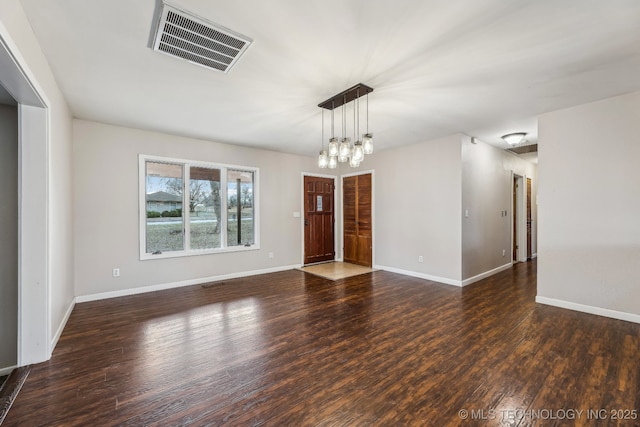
240 216
205 212
164 187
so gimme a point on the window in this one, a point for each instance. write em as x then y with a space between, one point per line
240 219
192 208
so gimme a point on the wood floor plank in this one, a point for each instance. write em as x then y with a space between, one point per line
295 349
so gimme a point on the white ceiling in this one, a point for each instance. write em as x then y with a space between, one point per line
438 67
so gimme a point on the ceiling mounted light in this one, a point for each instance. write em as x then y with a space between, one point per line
514 138
345 151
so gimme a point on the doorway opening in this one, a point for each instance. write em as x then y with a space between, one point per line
34 331
521 219
9 228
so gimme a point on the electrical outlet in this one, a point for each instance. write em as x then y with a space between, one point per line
420 258
270 254
504 252
116 272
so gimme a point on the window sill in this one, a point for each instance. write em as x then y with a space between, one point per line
196 252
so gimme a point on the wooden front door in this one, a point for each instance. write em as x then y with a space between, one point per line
358 227
318 219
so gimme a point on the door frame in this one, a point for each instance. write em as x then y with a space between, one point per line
335 222
373 214
521 217
35 343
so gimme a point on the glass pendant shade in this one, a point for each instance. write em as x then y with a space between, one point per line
323 159
353 162
367 143
333 162
358 151
333 147
345 148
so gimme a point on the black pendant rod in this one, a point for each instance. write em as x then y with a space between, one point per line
346 96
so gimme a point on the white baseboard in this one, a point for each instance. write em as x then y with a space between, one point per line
56 337
534 255
163 286
7 370
486 274
444 280
620 315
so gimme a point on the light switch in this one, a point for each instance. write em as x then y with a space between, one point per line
296 214
466 213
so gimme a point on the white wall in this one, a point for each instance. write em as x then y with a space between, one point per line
16 30
417 208
106 209
8 236
486 191
589 205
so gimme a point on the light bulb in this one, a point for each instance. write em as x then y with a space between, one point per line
333 147
333 162
367 143
323 159
345 148
358 152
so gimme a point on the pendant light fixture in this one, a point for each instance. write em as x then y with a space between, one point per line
353 162
357 155
345 151
345 142
333 162
333 142
367 138
323 158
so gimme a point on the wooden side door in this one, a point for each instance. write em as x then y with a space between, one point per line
357 223
318 219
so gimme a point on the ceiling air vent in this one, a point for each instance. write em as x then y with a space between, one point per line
186 36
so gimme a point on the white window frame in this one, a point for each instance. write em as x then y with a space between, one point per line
186 167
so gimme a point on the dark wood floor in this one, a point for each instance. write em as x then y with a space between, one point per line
292 349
